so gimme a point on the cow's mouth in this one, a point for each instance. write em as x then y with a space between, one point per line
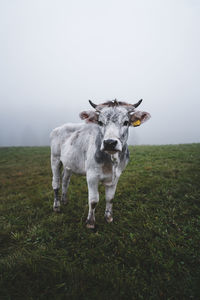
111 151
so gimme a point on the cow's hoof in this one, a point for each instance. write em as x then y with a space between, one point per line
64 200
109 219
90 224
56 208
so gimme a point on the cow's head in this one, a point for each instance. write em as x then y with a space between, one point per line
114 119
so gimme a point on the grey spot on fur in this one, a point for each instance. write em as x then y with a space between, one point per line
124 134
114 118
125 152
100 156
56 194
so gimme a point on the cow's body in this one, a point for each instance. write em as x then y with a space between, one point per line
88 149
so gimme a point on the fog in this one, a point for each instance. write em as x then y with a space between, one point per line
57 54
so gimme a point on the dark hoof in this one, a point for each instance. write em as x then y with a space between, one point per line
64 200
56 208
90 224
109 219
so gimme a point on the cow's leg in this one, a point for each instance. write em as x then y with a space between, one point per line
93 199
55 166
110 193
65 184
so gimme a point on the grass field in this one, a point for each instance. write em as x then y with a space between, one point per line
151 251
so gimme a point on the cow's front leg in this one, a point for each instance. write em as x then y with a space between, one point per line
93 199
110 193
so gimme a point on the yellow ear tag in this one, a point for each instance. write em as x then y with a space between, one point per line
136 123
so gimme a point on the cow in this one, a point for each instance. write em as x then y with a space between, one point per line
97 148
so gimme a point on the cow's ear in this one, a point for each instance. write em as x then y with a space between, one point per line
89 116
139 117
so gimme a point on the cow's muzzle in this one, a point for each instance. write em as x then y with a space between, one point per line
110 145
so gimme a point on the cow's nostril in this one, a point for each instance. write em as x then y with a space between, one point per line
110 144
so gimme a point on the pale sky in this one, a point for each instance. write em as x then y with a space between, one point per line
57 54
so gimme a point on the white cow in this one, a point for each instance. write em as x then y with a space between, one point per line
97 149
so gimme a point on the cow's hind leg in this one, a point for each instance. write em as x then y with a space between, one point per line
65 184
56 166
93 199
110 193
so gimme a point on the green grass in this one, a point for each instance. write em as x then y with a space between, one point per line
151 251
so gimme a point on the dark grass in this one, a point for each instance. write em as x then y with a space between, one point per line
151 251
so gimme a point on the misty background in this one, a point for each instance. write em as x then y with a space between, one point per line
57 54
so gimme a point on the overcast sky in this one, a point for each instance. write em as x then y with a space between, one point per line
57 54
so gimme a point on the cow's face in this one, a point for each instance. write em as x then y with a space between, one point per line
114 123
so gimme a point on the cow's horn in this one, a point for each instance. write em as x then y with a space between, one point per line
138 103
92 104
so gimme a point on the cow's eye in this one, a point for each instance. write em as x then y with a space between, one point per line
126 123
100 123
